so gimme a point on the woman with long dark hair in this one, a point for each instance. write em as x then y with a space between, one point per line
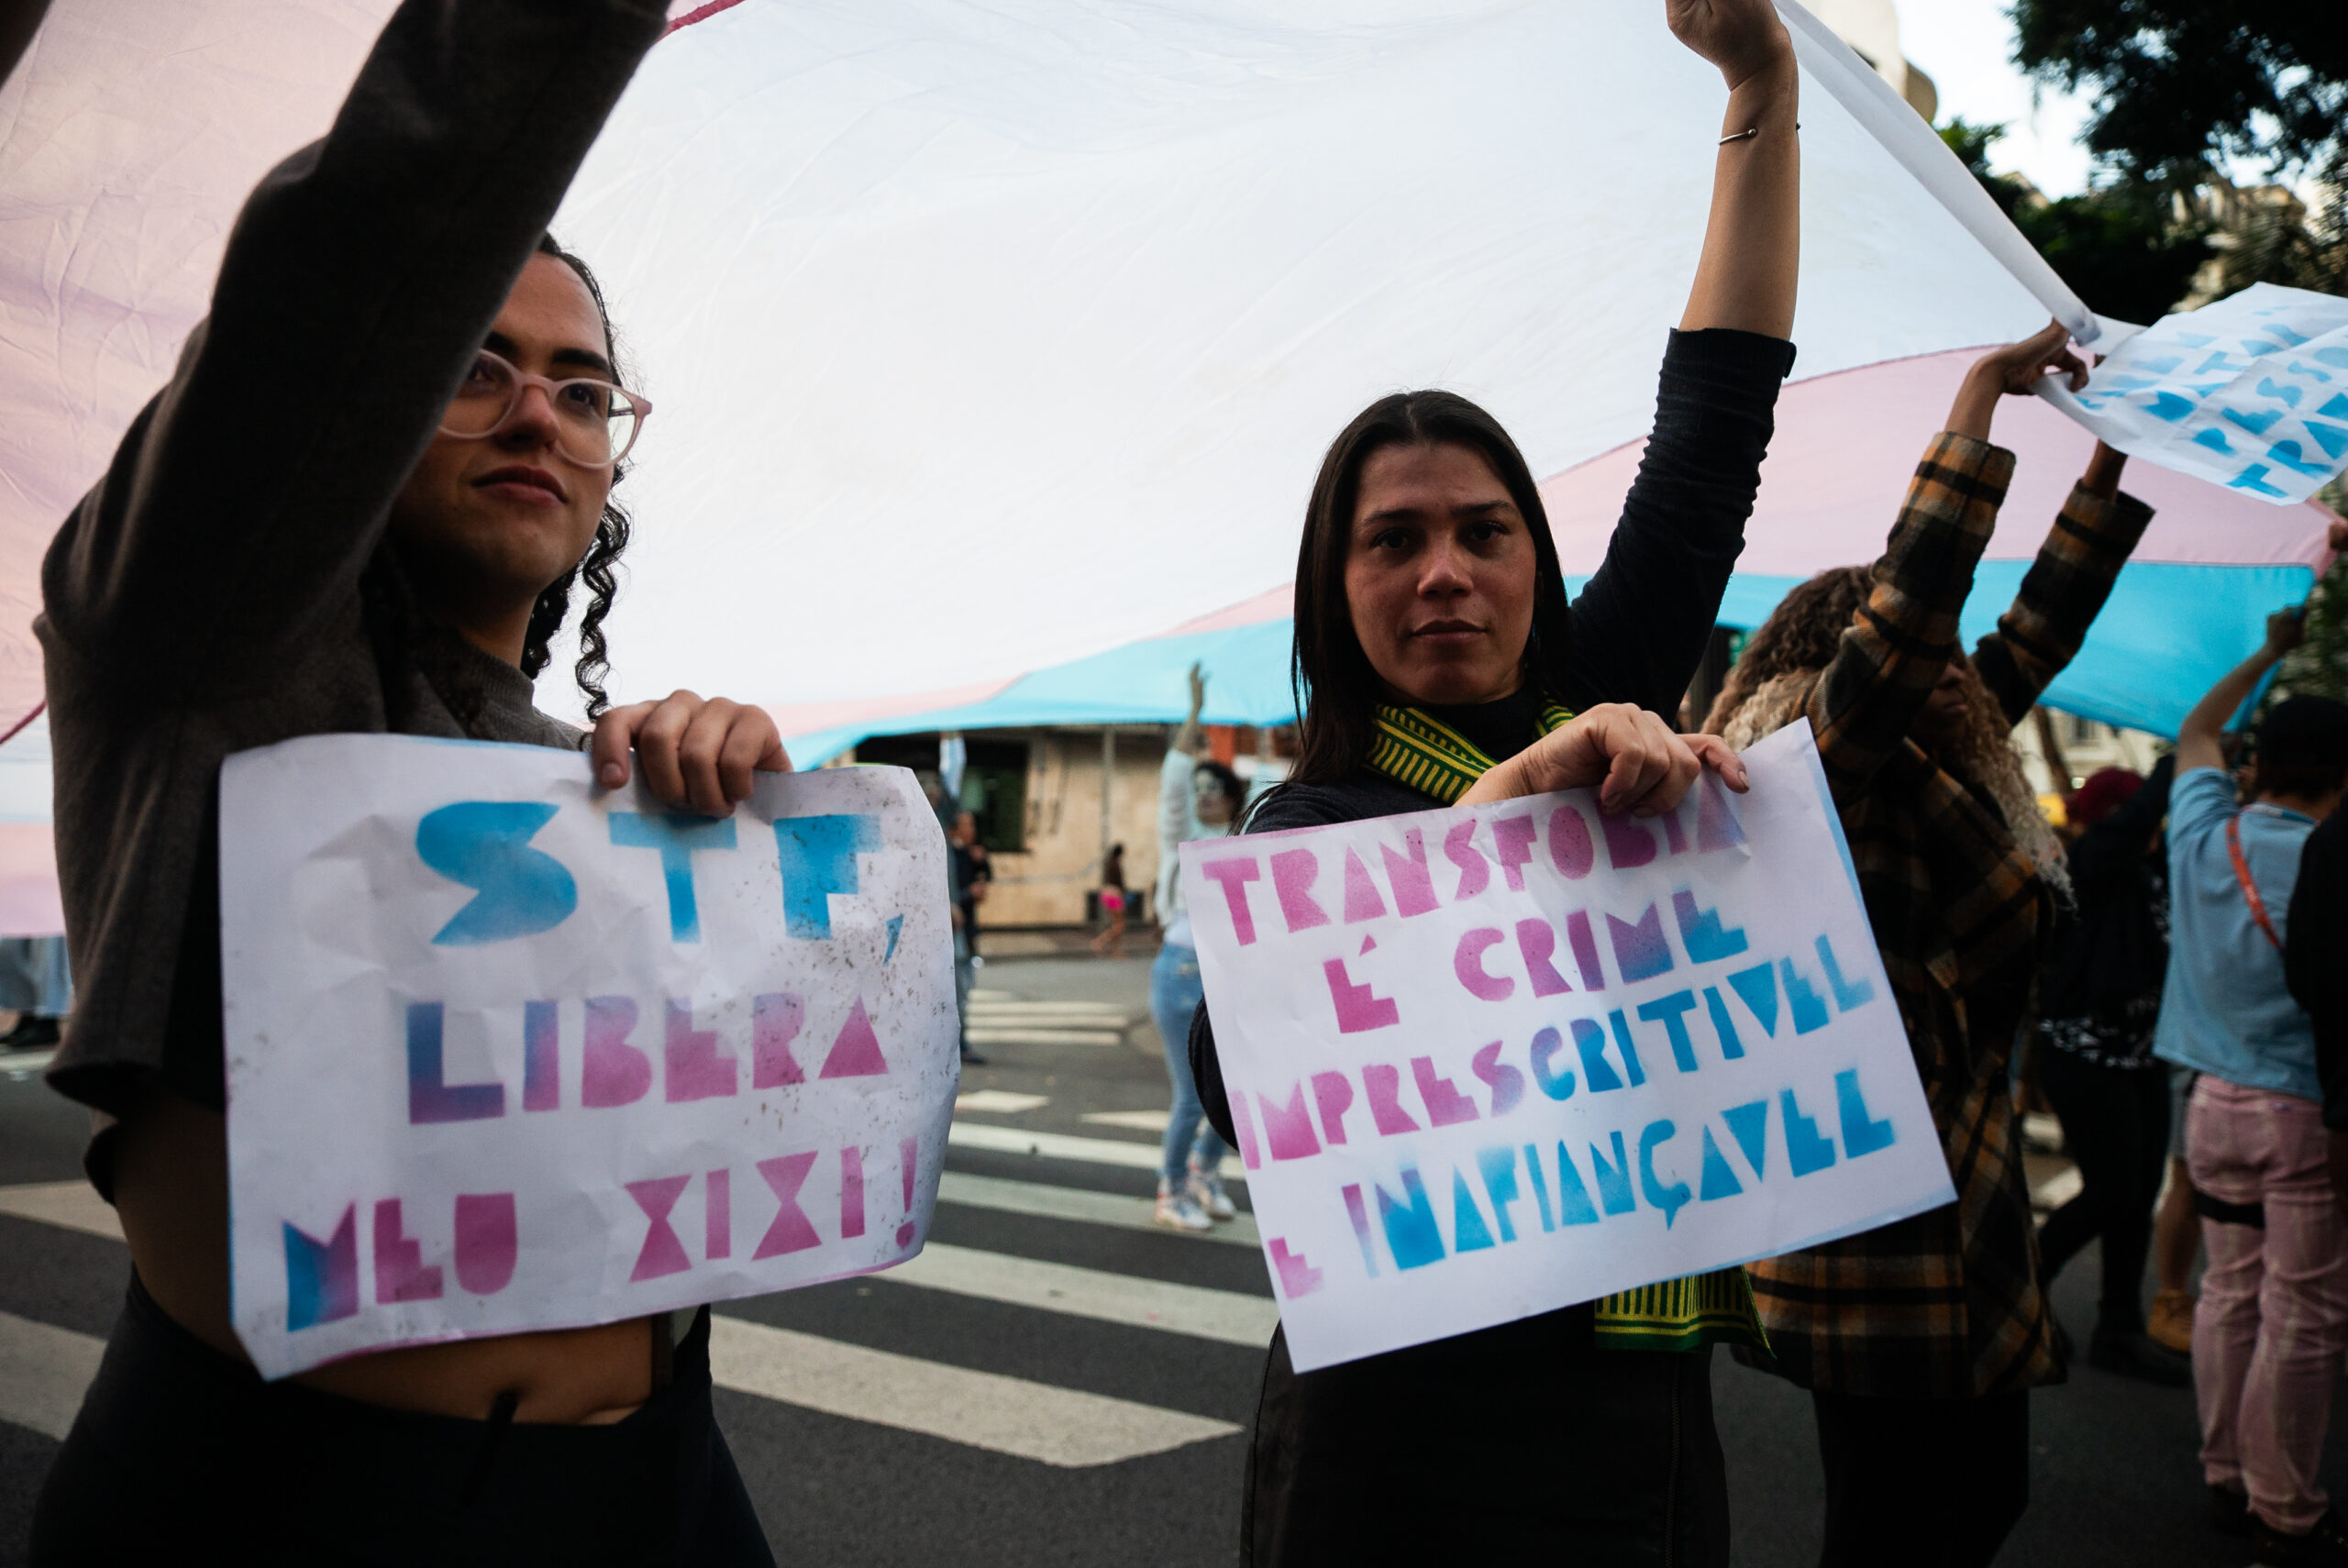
1920 1341
364 503
1438 661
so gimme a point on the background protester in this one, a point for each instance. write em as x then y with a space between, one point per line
2273 1319
1110 942
380 472
2098 1001
973 875
1197 797
37 984
1920 1342
1437 661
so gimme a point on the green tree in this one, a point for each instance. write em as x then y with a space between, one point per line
2180 86
2177 83
2118 246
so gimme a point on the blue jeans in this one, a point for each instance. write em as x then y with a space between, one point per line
1174 995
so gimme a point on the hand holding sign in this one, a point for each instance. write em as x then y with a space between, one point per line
509 1052
696 753
1493 1060
1638 763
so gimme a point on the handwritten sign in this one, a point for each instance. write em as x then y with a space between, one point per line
508 1052
1495 1060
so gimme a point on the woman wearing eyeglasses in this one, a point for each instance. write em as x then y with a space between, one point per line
365 502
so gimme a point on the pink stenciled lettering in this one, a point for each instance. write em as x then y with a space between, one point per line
1357 1010
662 1253
792 1231
1537 944
696 1069
612 1072
1513 847
488 1243
1293 873
1447 1107
1232 873
1385 1087
1467 962
1475 871
775 1020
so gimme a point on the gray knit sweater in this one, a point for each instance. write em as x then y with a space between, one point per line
227 585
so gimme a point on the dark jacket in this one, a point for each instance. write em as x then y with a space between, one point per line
2100 989
2315 957
1537 1443
1944 1305
226 585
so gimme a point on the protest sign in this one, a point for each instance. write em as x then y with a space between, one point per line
1494 1060
2250 392
507 1050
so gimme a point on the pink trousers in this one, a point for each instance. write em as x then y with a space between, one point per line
2273 1319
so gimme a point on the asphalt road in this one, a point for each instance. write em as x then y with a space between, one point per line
1055 1382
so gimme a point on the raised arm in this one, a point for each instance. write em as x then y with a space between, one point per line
357 285
1888 661
1641 625
1744 278
2200 739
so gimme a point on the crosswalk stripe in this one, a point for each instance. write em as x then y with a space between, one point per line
1066 1146
1225 1315
983 1002
982 1034
1074 1203
980 1409
70 1204
43 1371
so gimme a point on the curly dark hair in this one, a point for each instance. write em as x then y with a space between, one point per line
1802 633
598 565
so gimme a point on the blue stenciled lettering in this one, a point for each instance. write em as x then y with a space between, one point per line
1669 1196
676 836
485 845
818 860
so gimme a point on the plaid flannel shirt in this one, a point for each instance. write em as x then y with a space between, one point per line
1946 1304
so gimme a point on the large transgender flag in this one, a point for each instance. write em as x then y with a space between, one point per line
989 336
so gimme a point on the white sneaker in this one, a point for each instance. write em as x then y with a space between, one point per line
1180 1209
1206 1191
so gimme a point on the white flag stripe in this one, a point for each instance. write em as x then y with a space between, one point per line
978 1409
43 1371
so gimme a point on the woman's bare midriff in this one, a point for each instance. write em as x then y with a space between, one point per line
170 1177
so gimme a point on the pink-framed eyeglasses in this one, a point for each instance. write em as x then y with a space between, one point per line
595 422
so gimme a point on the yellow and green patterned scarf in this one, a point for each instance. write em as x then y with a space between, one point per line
1415 750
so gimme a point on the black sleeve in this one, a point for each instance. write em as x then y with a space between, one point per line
2118 842
361 277
2315 957
1640 625
1206 1073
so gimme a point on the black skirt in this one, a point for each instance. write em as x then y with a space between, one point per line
182 1454
1523 1443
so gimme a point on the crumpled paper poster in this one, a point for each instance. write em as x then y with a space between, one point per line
507 1050
1493 1060
2250 392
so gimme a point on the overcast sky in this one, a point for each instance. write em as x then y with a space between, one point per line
1962 45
